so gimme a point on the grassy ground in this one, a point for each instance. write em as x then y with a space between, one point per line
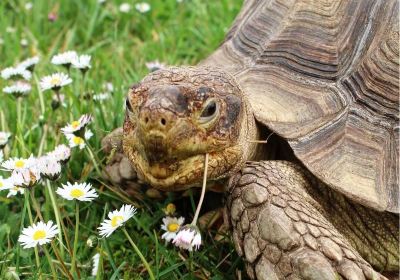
120 45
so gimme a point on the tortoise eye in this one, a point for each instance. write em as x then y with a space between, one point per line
128 105
209 112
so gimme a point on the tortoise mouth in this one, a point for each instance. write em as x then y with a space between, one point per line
185 173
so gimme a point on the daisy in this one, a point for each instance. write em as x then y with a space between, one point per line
169 209
101 96
155 65
171 225
15 72
124 8
116 219
61 153
76 126
18 164
143 7
18 89
49 167
24 171
29 63
77 141
81 192
28 6
188 237
24 42
14 190
55 81
5 184
82 62
108 87
65 58
4 136
96 260
39 233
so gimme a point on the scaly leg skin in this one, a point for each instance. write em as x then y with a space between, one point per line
282 232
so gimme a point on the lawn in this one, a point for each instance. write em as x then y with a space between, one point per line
120 44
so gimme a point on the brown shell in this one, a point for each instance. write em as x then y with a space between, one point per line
325 75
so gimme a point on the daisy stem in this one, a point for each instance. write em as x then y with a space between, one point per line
41 99
55 250
49 259
203 191
28 206
57 214
19 117
35 204
73 262
96 166
145 263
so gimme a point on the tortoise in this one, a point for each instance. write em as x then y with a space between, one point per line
320 80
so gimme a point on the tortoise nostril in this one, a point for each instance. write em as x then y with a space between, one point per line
163 121
146 120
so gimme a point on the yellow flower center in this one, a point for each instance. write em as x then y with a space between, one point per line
115 221
75 193
77 140
55 81
1 184
19 163
170 209
39 234
75 124
173 227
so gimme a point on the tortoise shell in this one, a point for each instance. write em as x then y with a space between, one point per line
325 76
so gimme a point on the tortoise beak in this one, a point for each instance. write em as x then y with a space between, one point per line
157 117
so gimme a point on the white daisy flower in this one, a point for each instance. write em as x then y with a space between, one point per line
29 63
15 72
76 126
4 136
18 164
24 171
82 62
155 65
14 190
49 167
124 8
18 89
77 141
10 29
39 233
101 96
65 58
24 42
81 192
109 87
188 237
61 153
28 6
55 81
96 260
5 183
171 225
143 7
116 219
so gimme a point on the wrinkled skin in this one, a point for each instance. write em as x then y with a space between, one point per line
286 223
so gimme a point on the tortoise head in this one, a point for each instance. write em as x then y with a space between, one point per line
177 115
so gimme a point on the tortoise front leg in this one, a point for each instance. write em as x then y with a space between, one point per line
281 231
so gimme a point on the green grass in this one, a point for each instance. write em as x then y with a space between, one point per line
120 45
